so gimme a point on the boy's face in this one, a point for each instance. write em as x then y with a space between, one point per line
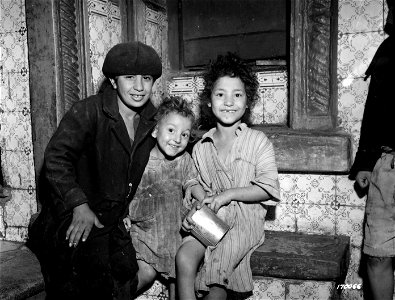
133 90
228 100
172 135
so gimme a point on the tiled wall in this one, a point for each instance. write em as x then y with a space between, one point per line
311 203
15 125
104 32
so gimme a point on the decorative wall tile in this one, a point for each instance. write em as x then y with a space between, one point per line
186 85
14 52
355 52
296 199
17 130
316 189
346 191
257 109
355 270
105 8
18 169
158 291
281 218
320 186
156 36
313 218
104 32
287 185
309 183
274 96
310 290
353 128
12 15
349 221
268 289
16 234
18 209
360 16
351 99
353 277
351 294
188 88
153 30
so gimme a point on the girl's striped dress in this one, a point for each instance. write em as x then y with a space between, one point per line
251 162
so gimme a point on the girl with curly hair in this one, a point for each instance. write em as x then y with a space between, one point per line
236 166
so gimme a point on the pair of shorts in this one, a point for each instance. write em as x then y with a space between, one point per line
379 237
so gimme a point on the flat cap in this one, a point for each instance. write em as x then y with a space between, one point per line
132 58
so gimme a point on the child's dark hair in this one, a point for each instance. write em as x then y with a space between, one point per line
178 105
233 66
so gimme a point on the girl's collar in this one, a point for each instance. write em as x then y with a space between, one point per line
209 134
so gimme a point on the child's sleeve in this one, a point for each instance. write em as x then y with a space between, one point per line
266 174
190 179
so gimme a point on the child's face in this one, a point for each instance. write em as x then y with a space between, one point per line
228 100
133 90
172 134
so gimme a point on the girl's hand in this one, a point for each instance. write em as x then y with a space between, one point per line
81 225
217 201
127 223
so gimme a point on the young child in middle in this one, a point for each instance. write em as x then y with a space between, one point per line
236 165
155 214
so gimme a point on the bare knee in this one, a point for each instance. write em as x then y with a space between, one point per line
188 258
146 274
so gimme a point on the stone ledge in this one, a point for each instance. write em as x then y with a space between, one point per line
20 275
323 152
302 256
284 255
307 151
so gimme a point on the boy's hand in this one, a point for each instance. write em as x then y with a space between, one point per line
81 225
363 178
217 201
188 223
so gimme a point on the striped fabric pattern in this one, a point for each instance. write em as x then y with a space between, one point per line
250 162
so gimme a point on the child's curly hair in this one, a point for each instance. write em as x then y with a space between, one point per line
178 105
227 65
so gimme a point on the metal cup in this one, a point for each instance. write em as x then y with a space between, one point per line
209 229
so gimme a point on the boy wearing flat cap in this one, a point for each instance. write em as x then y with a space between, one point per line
93 166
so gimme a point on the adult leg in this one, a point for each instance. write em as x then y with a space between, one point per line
188 259
381 277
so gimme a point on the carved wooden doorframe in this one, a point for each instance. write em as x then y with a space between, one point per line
59 64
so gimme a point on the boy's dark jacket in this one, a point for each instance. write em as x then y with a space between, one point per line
90 160
378 119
